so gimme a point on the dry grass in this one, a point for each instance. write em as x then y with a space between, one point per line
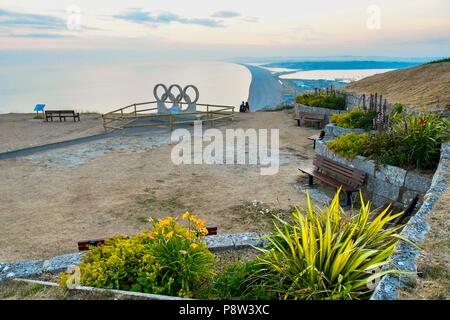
419 87
433 265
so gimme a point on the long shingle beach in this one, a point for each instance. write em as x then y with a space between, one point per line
265 89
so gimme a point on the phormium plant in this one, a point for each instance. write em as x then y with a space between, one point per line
325 254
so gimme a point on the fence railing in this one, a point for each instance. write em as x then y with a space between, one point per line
125 117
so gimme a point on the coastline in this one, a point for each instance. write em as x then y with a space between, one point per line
265 89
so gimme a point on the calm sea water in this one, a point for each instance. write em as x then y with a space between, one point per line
102 85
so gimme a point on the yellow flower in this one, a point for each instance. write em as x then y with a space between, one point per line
186 215
200 224
194 246
170 234
183 251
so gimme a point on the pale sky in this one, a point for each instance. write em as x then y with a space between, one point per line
230 28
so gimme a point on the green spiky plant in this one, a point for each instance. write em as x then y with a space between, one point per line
324 254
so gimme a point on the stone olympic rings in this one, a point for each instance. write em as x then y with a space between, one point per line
181 94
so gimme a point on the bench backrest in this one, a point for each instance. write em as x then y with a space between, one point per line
311 115
59 111
345 174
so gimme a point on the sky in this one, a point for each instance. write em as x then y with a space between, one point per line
227 29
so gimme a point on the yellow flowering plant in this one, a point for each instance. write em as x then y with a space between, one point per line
169 259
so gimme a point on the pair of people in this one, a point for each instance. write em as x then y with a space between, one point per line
245 107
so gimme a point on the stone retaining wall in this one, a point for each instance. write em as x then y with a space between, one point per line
406 255
385 183
332 131
31 268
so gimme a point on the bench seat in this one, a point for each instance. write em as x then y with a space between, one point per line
336 175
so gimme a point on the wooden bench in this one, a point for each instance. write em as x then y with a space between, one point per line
336 175
85 245
316 137
61 114
310 117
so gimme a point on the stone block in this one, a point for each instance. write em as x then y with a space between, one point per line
63 262
408 196
363 164
391 174
379 201
321 148
383 188
417 182
22 269
220 242
246 239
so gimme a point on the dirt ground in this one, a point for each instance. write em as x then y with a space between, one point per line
21 130
46 209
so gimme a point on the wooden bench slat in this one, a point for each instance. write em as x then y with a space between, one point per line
336 174
61 114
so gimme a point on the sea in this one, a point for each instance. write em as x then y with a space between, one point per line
102 83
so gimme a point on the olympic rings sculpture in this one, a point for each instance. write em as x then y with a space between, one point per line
180 95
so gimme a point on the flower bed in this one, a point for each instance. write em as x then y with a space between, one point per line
313 255
386 183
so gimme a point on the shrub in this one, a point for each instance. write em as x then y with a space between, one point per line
438 61
349 145
325 254
170 259
354 119
237 282
385 147
413 142
322 100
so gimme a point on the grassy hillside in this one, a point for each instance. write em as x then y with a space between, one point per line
425 87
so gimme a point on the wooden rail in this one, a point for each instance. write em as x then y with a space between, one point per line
123 118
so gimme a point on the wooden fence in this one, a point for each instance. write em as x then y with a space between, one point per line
126 117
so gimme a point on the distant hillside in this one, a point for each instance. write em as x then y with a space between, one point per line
424 87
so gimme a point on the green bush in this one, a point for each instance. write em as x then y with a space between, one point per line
412 142
438 61
322 100
237 282
354 119
326 254
170 259
349 145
